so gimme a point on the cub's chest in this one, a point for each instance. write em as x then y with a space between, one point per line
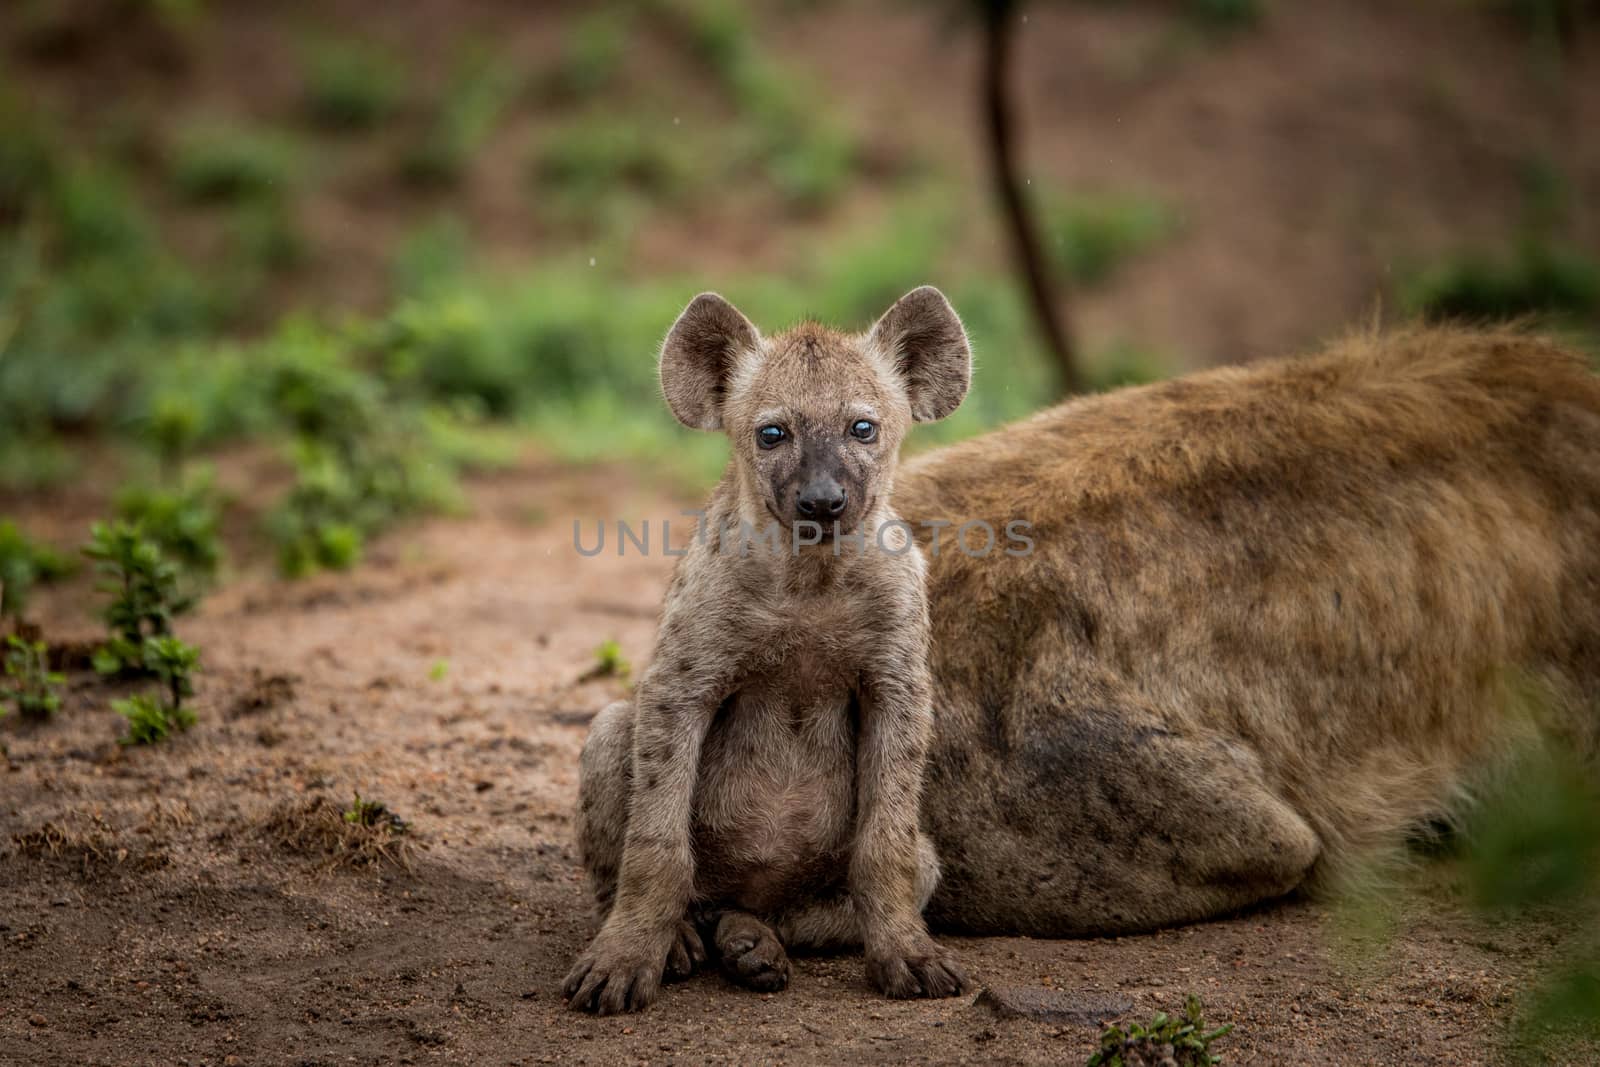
821 655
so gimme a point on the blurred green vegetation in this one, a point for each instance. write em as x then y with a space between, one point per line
218 161
1541 275
1091 235
351 86
25 563
157 284
1530 847
460 120
1520 857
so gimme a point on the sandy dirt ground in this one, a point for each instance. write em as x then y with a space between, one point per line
154 909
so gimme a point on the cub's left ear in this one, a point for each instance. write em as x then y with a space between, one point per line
924 337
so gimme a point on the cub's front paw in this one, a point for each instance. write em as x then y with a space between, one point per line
925 970
618 972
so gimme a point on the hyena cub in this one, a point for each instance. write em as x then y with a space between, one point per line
763 785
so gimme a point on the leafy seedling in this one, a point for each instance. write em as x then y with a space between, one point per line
23 564
1184 1041
32 687
144 592
373 814
150 720
174 663
183 522
439 670
153 718
608 663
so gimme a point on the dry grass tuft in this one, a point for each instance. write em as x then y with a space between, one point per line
86 842
365 835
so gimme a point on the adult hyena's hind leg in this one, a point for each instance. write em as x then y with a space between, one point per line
605 777
1104 821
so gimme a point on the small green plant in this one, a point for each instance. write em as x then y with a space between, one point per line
24 563
373 814
609 661
145 596
33 688
219 163
174 664
183 521
149 720
350 86
154 717
1182 1042
439 671
361 459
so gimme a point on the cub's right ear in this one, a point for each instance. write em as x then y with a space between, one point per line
699 356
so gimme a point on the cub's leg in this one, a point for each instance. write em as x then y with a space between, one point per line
605 775
752 955
832 923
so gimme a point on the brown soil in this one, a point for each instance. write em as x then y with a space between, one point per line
204 901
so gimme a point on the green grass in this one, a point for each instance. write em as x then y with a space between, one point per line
30 151
263 235
1092 235
222 162
1226 14
430 257
586 170
361 459
1537 278
786 135
96 215
351 85
460 121
592 56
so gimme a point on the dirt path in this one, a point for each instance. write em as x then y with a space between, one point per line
177 925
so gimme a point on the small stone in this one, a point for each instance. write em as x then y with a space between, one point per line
1078 1008
38 1020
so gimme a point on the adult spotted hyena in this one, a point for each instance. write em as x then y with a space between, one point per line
1267 622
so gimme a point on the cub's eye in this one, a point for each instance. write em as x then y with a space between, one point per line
863 430
771 436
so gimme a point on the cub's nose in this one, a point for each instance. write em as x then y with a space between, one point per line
826 503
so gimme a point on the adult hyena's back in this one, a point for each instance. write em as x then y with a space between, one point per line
1310 579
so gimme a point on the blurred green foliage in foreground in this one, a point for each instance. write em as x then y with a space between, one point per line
1531 846
1523 860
